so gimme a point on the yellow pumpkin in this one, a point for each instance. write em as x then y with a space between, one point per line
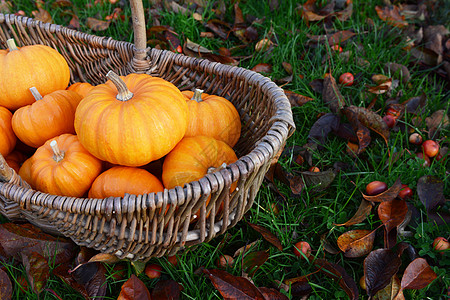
37 66
82 88
131 120
7 137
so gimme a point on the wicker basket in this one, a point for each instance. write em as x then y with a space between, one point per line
132 227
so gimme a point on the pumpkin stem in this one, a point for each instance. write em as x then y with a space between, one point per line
124 93
11 45
58 154
212 169
35 93
197 95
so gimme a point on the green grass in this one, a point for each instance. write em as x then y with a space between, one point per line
312 215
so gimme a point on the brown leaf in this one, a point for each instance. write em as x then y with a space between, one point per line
134 288
287 67
42 15
362 132
97 25
5 8
338 273
74 22
317 85
331 94
272 294
361 214
379 267
319 181
415 104
5 286
263 45
206 34
166 289
218 27
346 13
403 71
262 68
433 36
379 78
327 245
391 15
356 243
233 287
425 56
340 37
387 195
196 47
267 235
172 39
62 272
245 248
37 270
391 291
417 275
227 60
296 99
392 213
62 3
104 258
430 190
27 238
437 121
371 120
308 11
322 127
92 277
253 261
381 88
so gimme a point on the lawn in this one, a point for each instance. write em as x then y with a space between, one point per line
399 56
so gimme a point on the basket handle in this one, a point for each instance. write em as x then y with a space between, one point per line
6 173
140 35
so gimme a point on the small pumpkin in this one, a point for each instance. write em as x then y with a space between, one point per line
62 166
15 159
117 181
213 116
37 66
7 137
47 117
82 88
25 171
131 120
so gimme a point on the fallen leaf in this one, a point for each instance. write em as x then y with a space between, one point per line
327 245
296 99
196 47
391 15
267 235
233 287
425 56
393 68
416 104
431 192
340 37
5 286
322 127
218 27
317 85
371 120
97 25
245 248
5 8
361 214
272 294
104 258
74 22
331 94
207 34
379 268
92 277
62 272
166 289
437 121
262 68
338 273
390 291
319 181
253 261
42 15
134 288
308 11
346 13
392 213
356 243
381 88
417 275
362 132
287 67
300 290
346 132
387 195
37 270
172 39
433 36
62 3
263 45
379 78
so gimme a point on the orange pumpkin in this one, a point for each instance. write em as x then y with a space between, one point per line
119 180
25 171
82 88
212 116
131 120
62 166
15 159
47 117
7 137
22 68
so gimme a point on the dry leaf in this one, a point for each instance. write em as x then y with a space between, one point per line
361 214
356 243
437 121
97 25
403 71
391 15
340 37
196 47
381 88
42 15
263 45
297 99
262 68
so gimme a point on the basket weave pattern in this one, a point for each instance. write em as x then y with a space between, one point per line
134 226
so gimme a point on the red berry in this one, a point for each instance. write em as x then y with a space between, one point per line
441 244
224 261
337 48
375 188
415 138
153 271
430 148
405 192
346 79
302 247
179 49
389 120
426 159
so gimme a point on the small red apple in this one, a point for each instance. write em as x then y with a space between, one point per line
346 79
173 260
375 188
389 120
405 192
424 157
302 247
314 169
153 271
441 244
430 148
415 139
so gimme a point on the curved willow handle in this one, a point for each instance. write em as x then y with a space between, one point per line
140 35
6 173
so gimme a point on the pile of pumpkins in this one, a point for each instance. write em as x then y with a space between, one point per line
135 134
